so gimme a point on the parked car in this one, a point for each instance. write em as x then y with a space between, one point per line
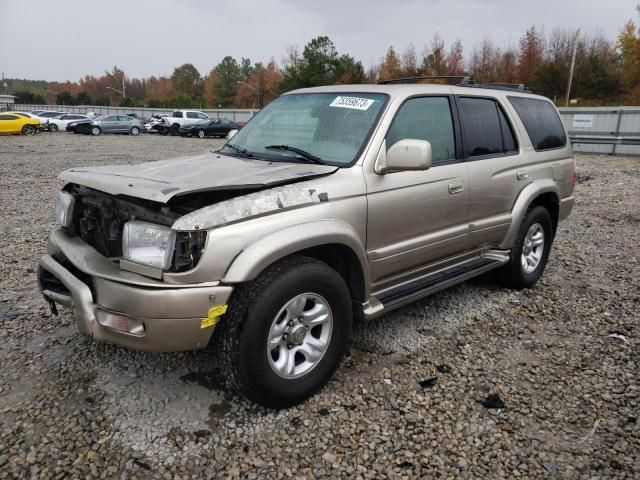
171 124
61 122
15 123
109 124
333 203
217 127
46 116
153 123
73 124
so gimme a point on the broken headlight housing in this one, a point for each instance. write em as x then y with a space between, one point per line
188 250
148 244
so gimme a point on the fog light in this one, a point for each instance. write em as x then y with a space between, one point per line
120 323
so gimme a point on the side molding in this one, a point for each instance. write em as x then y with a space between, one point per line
527 195
262 253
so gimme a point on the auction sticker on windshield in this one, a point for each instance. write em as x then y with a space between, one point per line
352 102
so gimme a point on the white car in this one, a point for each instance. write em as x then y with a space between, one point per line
46 116
61 122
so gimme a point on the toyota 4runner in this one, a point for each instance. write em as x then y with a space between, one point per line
332 204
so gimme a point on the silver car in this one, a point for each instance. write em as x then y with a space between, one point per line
333 204
111 124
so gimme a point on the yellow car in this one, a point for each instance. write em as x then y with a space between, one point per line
11 122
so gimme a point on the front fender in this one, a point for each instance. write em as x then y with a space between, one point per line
260 254
527 195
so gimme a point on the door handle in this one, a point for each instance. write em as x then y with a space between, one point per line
522 174
455 187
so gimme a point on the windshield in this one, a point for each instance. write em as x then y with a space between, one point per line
330 126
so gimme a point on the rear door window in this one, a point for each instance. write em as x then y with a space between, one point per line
192 115
486 129
426 118
542 122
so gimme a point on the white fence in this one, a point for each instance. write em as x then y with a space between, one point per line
236 114
603 130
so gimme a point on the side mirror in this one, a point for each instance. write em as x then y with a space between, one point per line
232 133
405 155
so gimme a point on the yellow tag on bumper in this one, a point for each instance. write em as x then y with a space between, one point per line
212 316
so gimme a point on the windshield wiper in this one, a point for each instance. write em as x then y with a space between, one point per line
303 153
241 150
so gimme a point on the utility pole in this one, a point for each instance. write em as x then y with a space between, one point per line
573 64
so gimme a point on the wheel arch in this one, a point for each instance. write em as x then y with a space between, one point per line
331 241
540 192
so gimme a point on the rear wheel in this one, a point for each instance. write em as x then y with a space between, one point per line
201 133
135 131
95 131
29 130
53 128
285 333
531 251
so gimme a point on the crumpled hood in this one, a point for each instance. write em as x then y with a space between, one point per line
162 180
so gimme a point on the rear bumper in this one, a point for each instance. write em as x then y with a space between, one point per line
170 316
566 206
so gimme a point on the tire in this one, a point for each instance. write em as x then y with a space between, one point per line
521 273
29 130
53 128
95 131
134 131
259 311
200 133
173 131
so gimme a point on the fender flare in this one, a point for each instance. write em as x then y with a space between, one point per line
257 256
527 195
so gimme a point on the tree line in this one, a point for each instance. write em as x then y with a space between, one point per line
606 72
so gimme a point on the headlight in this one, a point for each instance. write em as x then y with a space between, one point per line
64 208
148 244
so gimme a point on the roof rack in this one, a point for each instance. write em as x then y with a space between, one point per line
500 86
465 81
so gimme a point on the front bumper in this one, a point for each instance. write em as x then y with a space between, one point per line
171 315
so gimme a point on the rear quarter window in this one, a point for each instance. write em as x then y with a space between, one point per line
542 122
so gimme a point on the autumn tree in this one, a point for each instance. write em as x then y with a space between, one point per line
455 59
483 62
409 62
222 84
628 47
391 65
260 88
434 58
531 52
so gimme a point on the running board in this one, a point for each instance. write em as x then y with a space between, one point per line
424 286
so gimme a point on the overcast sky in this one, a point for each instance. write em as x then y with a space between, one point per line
66 39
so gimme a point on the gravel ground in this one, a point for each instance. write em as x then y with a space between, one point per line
474 382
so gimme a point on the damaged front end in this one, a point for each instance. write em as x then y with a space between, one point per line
99 220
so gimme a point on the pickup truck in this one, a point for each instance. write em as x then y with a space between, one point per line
171 124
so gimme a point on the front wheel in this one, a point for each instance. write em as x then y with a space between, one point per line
285 333
29 130
95 131
135 131
531 250
174 130
53 128
201 133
